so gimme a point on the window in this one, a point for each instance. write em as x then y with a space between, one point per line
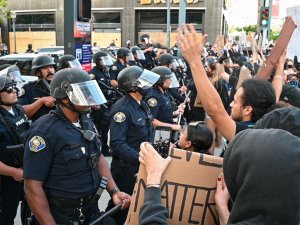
34 22
107 17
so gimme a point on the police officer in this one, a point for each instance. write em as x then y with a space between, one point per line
68 61
101 115
63 161
35 97
13 129
100 71
138 55
159 102
123 56
130 125
168 60
146 45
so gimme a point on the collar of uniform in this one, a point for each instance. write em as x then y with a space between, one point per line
134 102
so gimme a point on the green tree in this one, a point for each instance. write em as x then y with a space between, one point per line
250 28
4 12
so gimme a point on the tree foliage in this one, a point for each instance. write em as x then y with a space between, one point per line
4 12
250 28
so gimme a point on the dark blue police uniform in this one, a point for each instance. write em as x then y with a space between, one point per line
13 130
31 92
149 61
101 75
57 154
160 105
130 125
115 69
135 63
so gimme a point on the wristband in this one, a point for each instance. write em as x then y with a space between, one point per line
113 191
280 77
153 185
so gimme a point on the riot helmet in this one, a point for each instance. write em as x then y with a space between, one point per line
138 53
165 73
145 38
102 59
167 59
125 54
41 61
134 79
76 85
10 76
68 61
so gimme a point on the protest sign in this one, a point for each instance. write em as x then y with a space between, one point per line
187 188
293 47
282 42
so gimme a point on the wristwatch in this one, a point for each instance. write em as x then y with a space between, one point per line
113 191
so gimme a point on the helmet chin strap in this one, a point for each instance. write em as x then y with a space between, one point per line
71 106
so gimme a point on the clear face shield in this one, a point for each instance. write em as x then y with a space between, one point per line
86 93
129 57
13 74
173 65
106 61
147 40
140 55
174 81
75 64
147 79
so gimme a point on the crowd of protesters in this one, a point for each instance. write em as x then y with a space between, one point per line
210 95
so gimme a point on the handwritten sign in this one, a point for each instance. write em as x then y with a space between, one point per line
188 188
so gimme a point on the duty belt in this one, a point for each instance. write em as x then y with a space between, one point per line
70 203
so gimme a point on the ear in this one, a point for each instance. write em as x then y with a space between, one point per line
248 110
188 144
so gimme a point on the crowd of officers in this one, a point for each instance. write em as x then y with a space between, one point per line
56 131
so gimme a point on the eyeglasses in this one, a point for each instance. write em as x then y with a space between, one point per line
10 89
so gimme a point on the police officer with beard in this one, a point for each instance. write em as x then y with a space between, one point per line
62 170
130 125
13 129
35 96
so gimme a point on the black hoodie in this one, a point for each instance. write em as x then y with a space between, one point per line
262 174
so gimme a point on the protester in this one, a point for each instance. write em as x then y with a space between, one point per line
152 211
251 102
196 137
261 172
285 118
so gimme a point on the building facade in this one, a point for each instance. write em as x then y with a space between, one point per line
42 22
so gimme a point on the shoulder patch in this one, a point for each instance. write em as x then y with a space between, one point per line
36 144
92 76
152 102
119 117
114 67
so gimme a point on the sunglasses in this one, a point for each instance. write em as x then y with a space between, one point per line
10 89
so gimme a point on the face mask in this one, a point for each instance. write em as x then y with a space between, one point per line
294 83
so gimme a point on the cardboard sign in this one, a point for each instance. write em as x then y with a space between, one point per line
282 42
188 189
293 47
